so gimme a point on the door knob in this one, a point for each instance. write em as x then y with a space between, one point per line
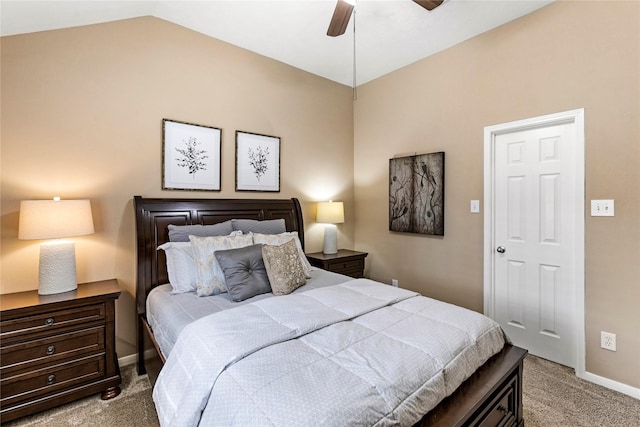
501 249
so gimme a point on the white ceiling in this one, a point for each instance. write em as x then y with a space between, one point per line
390 34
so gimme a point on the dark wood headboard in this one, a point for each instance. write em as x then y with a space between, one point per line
154 215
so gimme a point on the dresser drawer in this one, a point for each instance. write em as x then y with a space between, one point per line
39 382
49 322
25 355
501 412
339 267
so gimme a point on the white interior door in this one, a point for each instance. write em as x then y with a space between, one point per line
534 234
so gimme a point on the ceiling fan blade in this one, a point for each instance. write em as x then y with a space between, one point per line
340 19
429 4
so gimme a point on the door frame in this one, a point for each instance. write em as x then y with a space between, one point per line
490 133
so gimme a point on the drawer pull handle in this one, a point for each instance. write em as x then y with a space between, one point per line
51 379
51 349
49 321
503 409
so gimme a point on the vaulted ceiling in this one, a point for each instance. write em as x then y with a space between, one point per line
389 34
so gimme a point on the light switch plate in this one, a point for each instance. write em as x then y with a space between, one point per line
475 206
602 208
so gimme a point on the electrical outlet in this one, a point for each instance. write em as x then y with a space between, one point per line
608 340
394 282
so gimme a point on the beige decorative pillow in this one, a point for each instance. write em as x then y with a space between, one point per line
209 275
279 239
284 268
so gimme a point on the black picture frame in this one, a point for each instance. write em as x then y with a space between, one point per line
190 156
257 162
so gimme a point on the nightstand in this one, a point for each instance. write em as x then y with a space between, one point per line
57 348
350 263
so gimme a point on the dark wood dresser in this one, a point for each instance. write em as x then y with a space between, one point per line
57 348
347 262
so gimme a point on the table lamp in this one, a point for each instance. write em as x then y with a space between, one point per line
55 219
330 213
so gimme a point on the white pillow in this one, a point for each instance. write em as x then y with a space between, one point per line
279 239
209 275
181 266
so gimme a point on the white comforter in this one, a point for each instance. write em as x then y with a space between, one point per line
358 353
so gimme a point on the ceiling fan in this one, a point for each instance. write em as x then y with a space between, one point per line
343 11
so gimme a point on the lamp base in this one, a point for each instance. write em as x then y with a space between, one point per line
57 267
330 244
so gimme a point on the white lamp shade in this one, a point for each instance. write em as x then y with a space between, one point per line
330 212
54 219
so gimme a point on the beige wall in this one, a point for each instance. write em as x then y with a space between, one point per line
82 112
565 56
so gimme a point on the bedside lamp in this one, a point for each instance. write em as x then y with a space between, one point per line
54 219
330 213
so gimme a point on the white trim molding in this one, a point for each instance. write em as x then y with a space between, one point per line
128 360
610 384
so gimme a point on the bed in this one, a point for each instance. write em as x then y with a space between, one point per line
490 396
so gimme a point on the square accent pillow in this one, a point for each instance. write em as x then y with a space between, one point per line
279 239
244 272
181 233
267 226
181 266
283 267
209 276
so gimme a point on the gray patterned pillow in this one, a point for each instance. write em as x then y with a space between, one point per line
283 267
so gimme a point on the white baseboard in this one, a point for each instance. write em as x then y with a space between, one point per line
128 360
611 384
132 359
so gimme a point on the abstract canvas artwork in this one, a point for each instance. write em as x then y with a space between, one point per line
416 194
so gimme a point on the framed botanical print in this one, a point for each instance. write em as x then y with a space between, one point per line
257 162
190 156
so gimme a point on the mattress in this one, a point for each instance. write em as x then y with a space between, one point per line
169 313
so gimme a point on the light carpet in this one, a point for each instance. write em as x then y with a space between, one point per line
133 407
553 396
